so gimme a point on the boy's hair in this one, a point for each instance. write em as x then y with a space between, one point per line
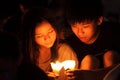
83 10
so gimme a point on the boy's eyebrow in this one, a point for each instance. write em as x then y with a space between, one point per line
85 23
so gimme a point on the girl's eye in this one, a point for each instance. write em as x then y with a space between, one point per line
40 36
51 31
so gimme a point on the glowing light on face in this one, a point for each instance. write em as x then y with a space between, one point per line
45 35
86 32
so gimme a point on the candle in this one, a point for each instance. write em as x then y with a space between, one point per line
56 67
69 64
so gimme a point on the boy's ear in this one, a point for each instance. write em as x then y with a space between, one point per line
100 20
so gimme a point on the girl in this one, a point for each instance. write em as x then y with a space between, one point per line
41 42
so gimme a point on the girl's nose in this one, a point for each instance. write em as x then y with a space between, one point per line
46 37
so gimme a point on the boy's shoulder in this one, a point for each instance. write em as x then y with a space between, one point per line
111 24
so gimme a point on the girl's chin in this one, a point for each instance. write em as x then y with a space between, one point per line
49 46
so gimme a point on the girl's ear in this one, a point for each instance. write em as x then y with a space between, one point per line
100 20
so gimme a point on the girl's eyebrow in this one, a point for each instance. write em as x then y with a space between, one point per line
38 34
48 30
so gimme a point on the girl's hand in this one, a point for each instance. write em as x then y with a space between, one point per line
51 75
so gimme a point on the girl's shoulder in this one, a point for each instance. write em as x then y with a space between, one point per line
66 51
64 46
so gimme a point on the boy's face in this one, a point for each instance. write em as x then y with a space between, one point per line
86 31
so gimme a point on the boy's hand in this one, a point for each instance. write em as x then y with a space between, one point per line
70 74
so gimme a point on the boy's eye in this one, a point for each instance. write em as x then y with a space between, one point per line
86 25
74 26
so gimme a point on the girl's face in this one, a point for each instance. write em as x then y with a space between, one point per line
45 35
86 31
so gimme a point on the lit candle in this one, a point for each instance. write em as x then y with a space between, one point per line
69 64
56 67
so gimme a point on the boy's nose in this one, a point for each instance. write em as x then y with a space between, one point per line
80 31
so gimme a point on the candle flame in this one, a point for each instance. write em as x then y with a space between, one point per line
69 64
56 67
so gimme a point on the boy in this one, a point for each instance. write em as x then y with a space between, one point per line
96 43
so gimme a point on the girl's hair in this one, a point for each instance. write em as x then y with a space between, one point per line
31 19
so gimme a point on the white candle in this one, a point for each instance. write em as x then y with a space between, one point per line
56 67
69 64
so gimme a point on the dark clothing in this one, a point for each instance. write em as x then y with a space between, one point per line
109 73
107 40
28 71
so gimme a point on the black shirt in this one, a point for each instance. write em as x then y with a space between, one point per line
108 39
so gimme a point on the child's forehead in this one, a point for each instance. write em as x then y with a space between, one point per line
84 22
